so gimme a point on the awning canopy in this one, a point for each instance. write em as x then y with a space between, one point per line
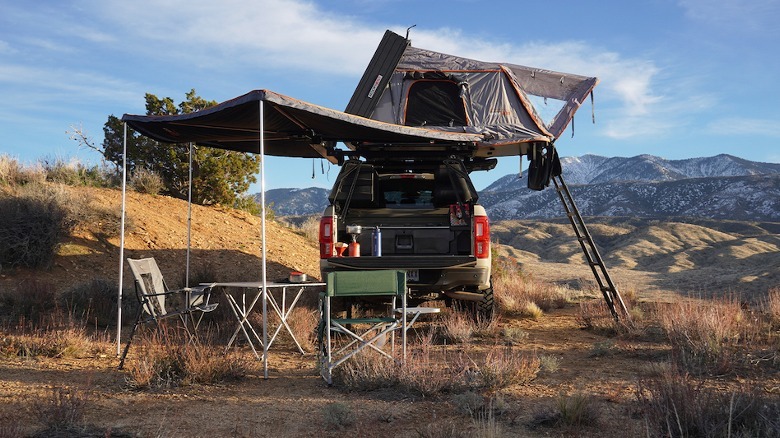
292 128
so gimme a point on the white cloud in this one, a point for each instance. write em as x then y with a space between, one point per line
741 126
5 48
273 33
754 16
38 87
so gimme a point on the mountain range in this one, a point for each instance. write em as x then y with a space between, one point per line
721 187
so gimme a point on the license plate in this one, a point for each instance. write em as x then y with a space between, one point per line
413 275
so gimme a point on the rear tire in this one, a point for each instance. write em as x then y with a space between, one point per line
487 307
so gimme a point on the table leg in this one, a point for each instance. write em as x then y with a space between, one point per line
284 313
242 313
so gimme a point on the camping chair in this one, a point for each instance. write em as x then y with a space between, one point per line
151 291
385 283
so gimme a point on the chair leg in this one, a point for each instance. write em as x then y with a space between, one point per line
328 352
132 333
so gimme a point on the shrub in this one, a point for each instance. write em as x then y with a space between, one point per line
59 171
338 415
303 323
572 412
13 173
519 295
310 228
62 411
577 410
171 359
95 302
675 406
74 173
32 224
11 426
469 403
457 326
247 203
595 315
421 374
514 335
771 306
549 364
147 181
705 336
428 375
31 302
367 371
603 348
504 367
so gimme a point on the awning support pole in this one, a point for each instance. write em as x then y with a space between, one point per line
121 244
189 221
263 241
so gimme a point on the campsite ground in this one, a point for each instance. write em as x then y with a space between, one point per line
600 367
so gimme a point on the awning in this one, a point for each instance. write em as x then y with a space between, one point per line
292 127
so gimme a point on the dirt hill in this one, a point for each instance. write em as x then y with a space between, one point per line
226 243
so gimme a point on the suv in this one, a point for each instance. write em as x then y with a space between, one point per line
420 216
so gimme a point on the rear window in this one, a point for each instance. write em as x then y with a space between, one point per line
407 191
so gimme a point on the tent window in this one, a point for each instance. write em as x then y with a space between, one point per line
435 103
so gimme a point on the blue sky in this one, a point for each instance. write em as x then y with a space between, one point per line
679 78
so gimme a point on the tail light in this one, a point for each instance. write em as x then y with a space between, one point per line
327 237
481 237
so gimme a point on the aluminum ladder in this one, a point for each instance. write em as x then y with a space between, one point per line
592 256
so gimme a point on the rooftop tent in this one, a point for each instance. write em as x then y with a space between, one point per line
408 86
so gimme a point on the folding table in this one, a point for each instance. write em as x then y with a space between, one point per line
242 309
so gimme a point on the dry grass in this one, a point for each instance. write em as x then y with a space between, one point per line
708 337
62 411
14 173
311 228
34 221
571 413
524 296
457 327
147 181
429 372
771 306
675 405
165 359
70 342
505 367
595 315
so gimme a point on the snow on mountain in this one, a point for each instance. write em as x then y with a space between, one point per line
747 198
297 202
